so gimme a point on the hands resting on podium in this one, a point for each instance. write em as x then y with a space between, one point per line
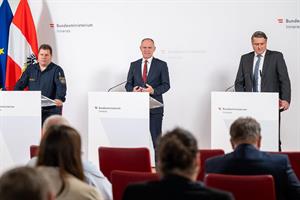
141 89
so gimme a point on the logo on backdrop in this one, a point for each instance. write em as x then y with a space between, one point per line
290 23
68 28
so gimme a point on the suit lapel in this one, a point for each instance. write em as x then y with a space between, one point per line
138 70
250 64
265 65
152 69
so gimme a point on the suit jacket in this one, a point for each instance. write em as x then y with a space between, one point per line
174 188
274 76
247 160
158 78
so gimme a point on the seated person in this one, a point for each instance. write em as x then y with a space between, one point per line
24 183
247 159
59 160
178 164
93 176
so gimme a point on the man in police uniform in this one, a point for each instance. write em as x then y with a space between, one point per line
47 77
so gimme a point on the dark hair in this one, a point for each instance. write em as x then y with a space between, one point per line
177 150
245 130
61 147
24 183
46 47
150 39
259 34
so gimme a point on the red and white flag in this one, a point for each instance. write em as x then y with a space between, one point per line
22 46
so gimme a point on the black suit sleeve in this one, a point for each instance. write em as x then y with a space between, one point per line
130 79
22 83
283 78
240 78
60 83
164 85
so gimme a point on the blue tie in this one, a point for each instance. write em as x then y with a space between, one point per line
256 74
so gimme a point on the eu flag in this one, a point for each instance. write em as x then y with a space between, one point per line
5 20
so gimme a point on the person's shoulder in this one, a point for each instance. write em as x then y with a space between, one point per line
159 61
274 53
136 61
276 157
249 54
217 194
80 189
139 191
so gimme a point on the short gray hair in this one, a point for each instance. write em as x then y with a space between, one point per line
55 120
245 130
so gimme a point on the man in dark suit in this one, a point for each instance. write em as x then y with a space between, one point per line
247 159
178 167
150 75
263 70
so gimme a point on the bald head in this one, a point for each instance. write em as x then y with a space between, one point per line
54 120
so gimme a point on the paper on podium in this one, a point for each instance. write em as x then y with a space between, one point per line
47 102
154 103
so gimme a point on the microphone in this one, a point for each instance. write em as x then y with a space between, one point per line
233 86
116 86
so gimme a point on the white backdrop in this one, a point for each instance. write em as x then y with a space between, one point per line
202 41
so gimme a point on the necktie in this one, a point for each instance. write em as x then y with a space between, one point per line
145 71
256 74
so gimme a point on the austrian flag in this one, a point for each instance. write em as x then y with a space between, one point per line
22 44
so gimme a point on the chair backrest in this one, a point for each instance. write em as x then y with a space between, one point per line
121 179
204 155
294 158
127 159
243 187
34 150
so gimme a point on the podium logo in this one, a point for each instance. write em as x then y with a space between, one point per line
280 20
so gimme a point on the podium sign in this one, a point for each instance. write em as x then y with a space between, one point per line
20 126
228 106
118 119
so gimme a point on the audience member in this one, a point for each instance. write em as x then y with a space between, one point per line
178 165
59 160
24 183
247 159
92 175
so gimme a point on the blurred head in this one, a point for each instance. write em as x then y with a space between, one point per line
45 55
61 147
178 154
259 42
54 120
147 48
245 131
24 183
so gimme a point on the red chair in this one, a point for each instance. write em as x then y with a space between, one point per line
121 179
258 187
294 158
204 155
127 159
34 151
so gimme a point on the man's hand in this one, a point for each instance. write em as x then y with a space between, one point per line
58 102
137 89
148 89
283 104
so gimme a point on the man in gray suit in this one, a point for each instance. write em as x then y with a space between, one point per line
263 70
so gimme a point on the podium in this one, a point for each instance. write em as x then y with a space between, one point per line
118 119
226 107
20 126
